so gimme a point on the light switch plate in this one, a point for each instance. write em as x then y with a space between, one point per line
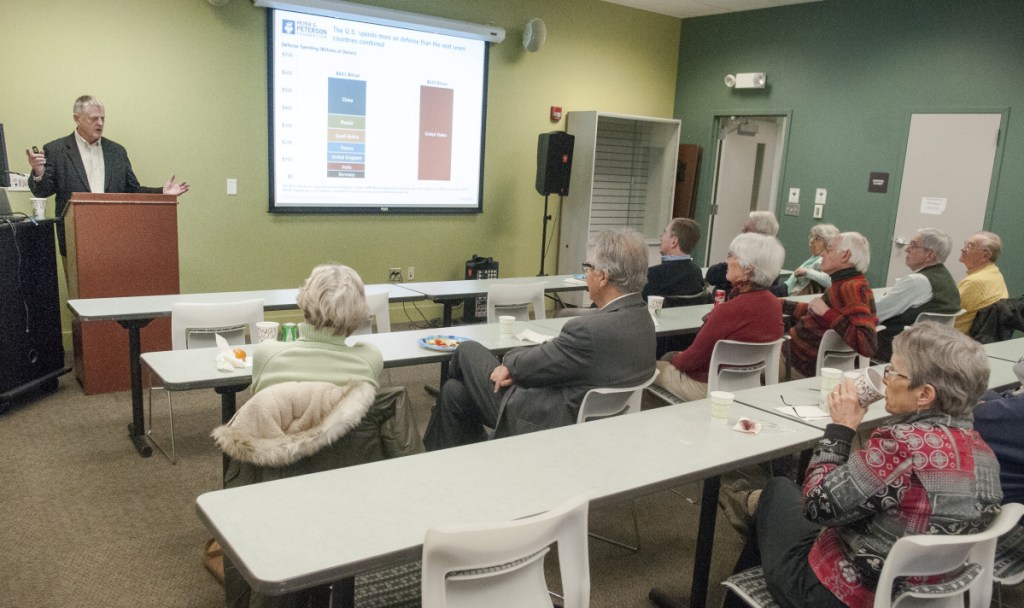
818 209
232 187
819 196
794 195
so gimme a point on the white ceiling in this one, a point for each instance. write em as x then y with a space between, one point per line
698 8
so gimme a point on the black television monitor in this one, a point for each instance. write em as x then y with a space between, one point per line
5 169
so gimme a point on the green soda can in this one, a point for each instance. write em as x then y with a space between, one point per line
289 332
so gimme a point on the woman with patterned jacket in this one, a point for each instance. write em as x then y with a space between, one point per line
925 472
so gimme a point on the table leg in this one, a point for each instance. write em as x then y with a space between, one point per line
136 430
702 554
343 594
446 321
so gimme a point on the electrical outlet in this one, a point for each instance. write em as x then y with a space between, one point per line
394 274
410 273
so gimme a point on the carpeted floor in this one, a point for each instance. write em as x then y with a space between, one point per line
84 521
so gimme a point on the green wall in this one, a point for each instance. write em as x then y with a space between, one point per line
851 72
185 89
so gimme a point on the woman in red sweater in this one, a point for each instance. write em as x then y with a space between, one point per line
750 314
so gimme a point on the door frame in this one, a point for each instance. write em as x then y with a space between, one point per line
717 117
997 163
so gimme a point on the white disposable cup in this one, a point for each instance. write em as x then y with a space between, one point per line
507 325
267 330
830 377
39 208
655 304
721 403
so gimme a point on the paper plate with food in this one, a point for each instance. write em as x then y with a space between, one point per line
442 343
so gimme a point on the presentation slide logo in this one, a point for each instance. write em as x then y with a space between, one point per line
288 26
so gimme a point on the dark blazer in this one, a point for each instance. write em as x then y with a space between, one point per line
65 174
674 278
613 347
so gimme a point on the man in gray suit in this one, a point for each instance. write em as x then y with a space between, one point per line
541 387
85 162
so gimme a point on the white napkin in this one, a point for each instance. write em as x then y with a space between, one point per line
528 335
226 359
747 425
807 412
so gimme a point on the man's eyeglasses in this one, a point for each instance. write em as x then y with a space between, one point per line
912 246
890 371
587 266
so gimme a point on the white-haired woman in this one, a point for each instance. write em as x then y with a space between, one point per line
333 304
751 314
926 471
809 278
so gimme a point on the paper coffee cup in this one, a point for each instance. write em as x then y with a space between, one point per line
830 377
721 403
507 324
39 208
267 330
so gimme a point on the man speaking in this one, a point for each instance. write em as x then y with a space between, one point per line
85 162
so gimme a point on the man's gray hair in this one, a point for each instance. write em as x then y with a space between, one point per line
86 101
762 222
992 243
955 365
761 255
857 245
334 297
623 255
938 241
825 232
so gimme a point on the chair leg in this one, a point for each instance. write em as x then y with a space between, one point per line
173 456
636 533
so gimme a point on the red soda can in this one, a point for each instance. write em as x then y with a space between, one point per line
719 296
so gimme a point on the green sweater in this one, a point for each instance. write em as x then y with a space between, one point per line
318 355
945 297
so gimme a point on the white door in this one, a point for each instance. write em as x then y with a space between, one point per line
946 178
746 174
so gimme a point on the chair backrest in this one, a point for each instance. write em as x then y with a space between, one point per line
605 402
194 324
938 554
939 317
738 365
701 297
380 312
834 352
515 299
502 564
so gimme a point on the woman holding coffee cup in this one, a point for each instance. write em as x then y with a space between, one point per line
927 471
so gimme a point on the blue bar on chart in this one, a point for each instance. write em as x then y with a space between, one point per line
346 128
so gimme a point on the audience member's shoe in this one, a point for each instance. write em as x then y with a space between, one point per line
738 502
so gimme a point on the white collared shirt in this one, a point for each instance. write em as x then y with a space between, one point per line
92 158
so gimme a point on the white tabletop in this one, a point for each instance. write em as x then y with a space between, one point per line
303 531
196 368
1001 374
802 393
151 307
447 290
1009 350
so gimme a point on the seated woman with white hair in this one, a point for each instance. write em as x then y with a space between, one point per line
317 405
925 471
751 314
809 277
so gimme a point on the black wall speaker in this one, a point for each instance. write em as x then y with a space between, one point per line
554 162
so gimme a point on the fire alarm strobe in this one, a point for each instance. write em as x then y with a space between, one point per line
556 113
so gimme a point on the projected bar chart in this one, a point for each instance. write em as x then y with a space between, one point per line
346 128
436 107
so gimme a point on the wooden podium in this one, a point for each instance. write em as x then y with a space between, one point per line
119 245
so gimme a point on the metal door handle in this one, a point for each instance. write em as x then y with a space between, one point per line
900 243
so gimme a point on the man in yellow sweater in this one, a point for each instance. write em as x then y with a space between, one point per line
984 284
